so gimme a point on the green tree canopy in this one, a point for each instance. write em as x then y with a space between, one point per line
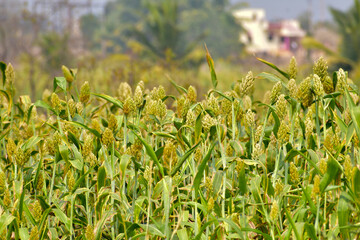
165 25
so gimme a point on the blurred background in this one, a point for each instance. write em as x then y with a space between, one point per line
112 41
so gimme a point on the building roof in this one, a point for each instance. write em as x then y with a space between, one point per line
286 28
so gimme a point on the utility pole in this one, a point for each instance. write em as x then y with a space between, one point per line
310 15
322 10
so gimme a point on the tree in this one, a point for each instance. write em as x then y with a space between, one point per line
305 21
168 29
120 17
348 23
89 24
55 50
220 28
349 29
162 33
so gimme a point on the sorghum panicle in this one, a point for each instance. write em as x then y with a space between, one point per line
247 103
275 92
226 105
239 165
89 233
138 97
169 154
37 211
70 181
213 104
258 132
190 118
208 122
67 74
274 211
257 151
72 107
2 182
113 123
191 94
198 155
323 165
124 91
7 199
292 68
316 188
304 93
292 87
320 68
279 186
85 92
40 182
281 106
55 101
246 84
284 132
10 74
348 167
294 174
129 106
107 137
210 204
10 148
34 234
209 186
317 86
342 81
250 119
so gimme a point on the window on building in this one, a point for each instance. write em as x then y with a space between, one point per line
270 36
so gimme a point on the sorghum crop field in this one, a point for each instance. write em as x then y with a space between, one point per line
79 164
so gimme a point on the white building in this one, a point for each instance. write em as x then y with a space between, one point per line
261 36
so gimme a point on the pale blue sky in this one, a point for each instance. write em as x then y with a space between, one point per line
283 9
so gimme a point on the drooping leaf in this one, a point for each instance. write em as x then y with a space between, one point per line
151 153
81 180
275 116
42 104
179 88
101 177
343 213
292 223
21 204
273 66
354 112
183 159
201 168
93 131
109 99
60 82
356 184
2 69
62 217
272 78
211 67
330 175
5 220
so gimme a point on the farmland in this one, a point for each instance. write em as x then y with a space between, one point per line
144 164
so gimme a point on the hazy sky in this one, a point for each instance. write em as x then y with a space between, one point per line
280 9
